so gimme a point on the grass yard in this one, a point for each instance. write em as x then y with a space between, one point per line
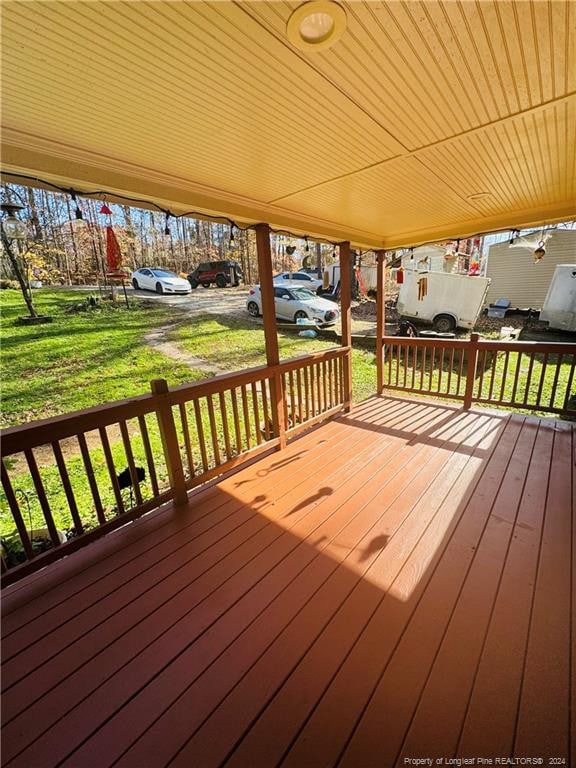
234 344
80 359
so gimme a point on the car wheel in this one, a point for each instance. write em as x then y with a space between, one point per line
135 284
194 283
159 288
444 324
206 285
300 315
253 309
221 281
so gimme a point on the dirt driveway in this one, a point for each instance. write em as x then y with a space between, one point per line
203 301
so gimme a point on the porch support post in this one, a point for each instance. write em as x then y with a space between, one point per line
380 320
169 439
270 331
345 297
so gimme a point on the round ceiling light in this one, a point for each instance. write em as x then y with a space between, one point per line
316 26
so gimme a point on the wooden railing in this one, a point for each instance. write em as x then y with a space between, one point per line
530 376
71 479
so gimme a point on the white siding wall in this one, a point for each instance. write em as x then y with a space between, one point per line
515 276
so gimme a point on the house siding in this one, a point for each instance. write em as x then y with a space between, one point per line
515 276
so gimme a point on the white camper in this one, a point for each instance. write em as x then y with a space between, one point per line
445 300
559 308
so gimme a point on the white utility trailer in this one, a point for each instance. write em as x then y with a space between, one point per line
559 308
443 299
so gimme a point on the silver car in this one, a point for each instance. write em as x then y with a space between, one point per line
295 304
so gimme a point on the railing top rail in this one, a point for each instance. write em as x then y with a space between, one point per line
497 345
16 439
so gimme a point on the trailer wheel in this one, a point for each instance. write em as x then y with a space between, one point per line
444 324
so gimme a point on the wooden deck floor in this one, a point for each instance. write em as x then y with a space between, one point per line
396 584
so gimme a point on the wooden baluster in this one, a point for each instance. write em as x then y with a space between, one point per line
69 493
414 365
246 416
528 378
91 478
450 367
559 360
306 392
440 368
388 354
516 375
264 389
187 440
299 388
292 401
406 350
460 370
568 394
225 430
213 430
200 433
423 369
324 386
492 374
150 457
504 377
398 358
15 510
312 387
330 374
131 465
237 432
542 377
481 379
256 412
41 494
471 369
432 368
111 469
318 374
170 446
287 419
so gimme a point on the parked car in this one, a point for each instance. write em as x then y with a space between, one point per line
295 304
159 280
222 273
298 279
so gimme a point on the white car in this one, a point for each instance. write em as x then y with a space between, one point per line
295 304
298 280
159 280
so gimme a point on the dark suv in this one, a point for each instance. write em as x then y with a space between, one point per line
222 273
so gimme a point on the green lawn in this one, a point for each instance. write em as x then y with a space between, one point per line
80 359
234 344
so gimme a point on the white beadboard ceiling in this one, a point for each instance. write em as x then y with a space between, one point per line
425 120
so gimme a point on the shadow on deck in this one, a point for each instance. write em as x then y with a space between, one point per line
396 584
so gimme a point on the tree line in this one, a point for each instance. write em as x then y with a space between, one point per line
64 249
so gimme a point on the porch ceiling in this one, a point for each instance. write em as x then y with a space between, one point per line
385 139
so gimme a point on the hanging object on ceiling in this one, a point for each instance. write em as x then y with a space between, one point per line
399 276
105 211
113 252
539 252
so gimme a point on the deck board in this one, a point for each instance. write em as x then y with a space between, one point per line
395 583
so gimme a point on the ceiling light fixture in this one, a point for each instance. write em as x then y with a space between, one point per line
316 26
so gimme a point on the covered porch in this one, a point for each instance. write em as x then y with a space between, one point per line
300 580
395 584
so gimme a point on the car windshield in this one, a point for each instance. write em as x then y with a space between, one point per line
303 293
163 273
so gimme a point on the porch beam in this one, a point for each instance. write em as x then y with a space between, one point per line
266 276
346 318
380 319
